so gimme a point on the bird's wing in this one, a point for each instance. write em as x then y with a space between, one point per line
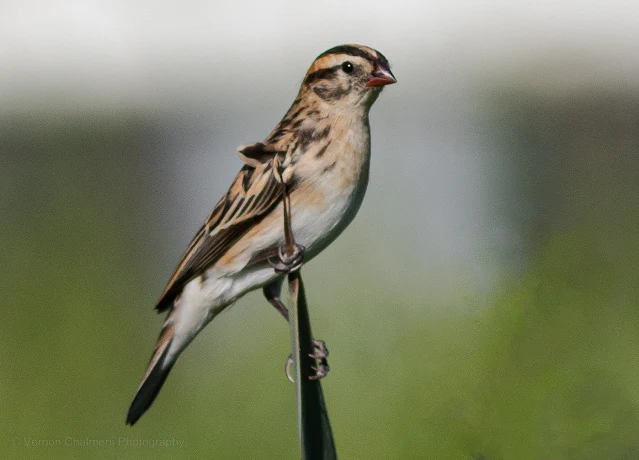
255 192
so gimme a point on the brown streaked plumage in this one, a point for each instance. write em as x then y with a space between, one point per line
253 193
322 147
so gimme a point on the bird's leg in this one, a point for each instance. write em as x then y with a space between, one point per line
272 293
290 253
288 263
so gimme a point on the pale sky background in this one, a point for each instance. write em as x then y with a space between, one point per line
142 53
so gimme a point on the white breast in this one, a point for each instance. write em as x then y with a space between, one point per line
333 197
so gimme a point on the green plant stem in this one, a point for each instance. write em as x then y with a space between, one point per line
314 429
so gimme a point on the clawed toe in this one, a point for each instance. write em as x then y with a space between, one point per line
287 368
319 355
288 262
320 372
321 352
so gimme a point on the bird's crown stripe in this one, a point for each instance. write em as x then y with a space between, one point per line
350 51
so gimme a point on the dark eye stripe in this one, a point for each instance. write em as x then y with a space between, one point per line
323 74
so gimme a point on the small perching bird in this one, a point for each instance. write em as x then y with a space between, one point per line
321 150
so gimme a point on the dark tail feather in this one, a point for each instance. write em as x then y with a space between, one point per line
153 380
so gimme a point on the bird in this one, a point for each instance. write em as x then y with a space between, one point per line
321 148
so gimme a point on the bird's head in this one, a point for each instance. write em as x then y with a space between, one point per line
348 75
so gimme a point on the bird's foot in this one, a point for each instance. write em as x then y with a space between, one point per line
320 354
288 262
321 367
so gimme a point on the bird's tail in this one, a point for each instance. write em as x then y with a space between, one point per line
156 374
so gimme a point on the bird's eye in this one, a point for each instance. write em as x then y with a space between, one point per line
347 67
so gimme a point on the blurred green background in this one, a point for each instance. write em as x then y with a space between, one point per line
483 305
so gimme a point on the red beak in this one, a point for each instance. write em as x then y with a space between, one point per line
381 77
